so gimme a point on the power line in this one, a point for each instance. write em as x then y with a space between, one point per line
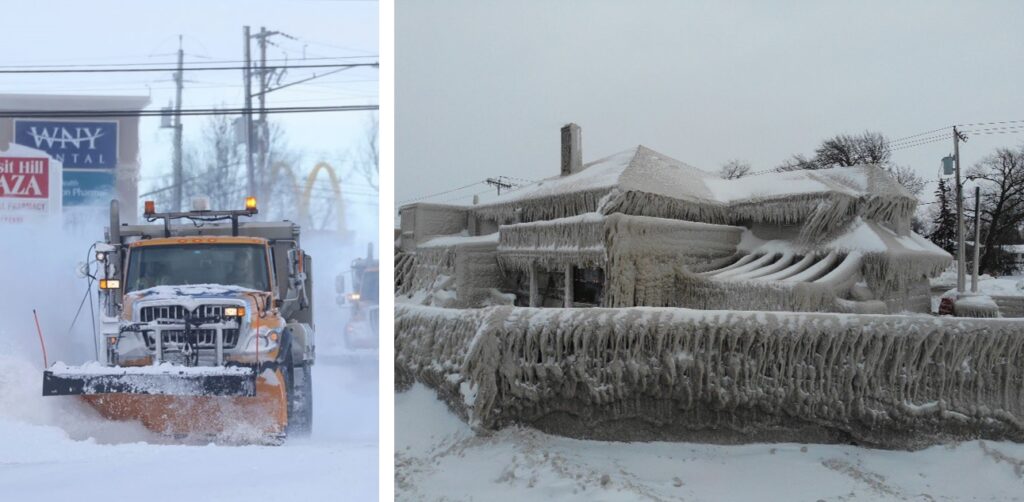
919 143
926 138
163 63
996 130
991 123
184 112
470 195
442 193
204 68
899 140
519 179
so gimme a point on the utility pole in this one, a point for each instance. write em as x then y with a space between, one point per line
247 115
179 82
961 279
261 130
497 182
977 237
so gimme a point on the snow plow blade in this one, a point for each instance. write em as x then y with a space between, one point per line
170 384
230 404
165 379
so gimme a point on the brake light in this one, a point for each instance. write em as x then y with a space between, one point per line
946 306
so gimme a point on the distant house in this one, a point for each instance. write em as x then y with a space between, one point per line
1016 256
639 228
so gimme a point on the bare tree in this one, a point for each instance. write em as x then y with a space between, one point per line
907 177
848 150
217 166
279 188
1002 204
845 150
366 160
798 162
734 169
214 166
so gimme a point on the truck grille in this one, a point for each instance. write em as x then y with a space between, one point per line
206 338
177 312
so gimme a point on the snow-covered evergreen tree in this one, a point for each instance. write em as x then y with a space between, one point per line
944 222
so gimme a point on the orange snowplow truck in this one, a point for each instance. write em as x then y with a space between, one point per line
206 326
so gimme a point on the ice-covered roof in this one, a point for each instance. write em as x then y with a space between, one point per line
639 168
658 178
855 181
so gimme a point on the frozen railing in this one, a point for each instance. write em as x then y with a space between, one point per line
900 381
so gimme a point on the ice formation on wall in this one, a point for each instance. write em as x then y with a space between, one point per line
669 373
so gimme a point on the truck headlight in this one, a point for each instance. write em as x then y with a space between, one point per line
234 311
268 337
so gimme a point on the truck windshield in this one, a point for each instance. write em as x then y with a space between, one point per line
243 265
370 288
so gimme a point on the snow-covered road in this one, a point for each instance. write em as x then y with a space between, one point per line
59 449
438 457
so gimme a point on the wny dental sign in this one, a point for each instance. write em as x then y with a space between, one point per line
30 185
77 144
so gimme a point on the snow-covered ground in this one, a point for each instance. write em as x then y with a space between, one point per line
1003 293
58 448
438 457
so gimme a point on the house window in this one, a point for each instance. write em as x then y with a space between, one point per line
587 286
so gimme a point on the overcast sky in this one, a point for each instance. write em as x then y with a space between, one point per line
482 87
107 32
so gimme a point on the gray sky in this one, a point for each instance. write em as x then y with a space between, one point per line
108 32
482 87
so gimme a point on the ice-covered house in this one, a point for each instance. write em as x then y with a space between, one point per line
639 228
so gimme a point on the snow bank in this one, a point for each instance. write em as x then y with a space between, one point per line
649 373
437 457
976 305
22 402
996 297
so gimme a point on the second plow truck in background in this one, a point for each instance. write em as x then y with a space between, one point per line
206 327
362 331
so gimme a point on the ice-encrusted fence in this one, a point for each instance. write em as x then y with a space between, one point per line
723 376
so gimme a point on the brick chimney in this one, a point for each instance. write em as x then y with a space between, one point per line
572 155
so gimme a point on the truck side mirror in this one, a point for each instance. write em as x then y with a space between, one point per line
339 284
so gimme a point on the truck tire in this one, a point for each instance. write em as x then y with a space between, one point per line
301 419
299 388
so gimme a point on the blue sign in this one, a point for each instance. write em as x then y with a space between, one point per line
88 188
84 145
